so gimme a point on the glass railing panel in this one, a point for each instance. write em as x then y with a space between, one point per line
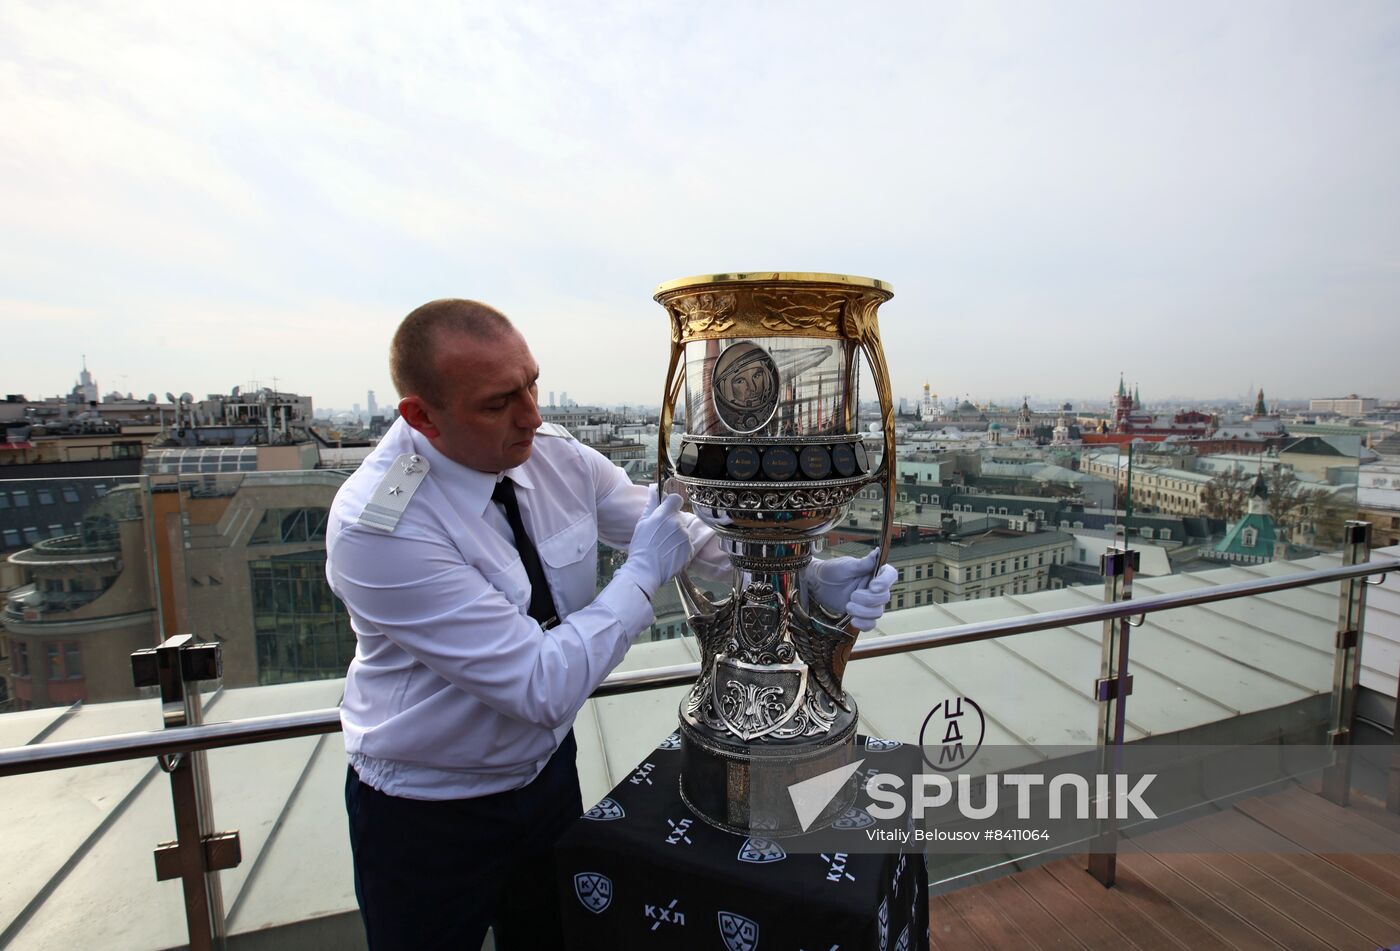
286 798
249 572
82 839
1262 664
75 589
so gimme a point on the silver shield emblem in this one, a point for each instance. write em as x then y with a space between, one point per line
884 923
761 851
594 891
902 942
875 744
854 818
606 811
755 700
672 742
739 933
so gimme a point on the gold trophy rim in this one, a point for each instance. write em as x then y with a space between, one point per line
763 277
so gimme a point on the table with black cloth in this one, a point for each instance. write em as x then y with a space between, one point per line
640 870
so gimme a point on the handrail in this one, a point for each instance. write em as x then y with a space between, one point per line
124 746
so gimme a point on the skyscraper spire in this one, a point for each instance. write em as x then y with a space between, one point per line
1259 407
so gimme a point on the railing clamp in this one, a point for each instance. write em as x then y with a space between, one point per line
222 850
1106 688
1346 639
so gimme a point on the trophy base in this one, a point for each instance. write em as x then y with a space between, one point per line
743 788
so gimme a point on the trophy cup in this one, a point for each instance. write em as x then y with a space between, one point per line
770 458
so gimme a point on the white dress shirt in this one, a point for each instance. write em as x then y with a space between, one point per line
454 690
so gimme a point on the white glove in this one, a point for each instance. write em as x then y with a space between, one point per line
660 546
845 586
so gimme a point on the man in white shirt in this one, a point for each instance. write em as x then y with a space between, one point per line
464 548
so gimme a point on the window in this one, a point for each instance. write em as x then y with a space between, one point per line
31 534
289 526
4 500
899 601
11 537
1040 514
21 499
54 654
99 490
55 530
20 663
70 494
1166 534
301 627
918 572
1249 537
45 496
1083 554
1146 532
945 572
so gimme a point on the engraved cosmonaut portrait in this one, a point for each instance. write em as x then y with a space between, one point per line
745 389
771 456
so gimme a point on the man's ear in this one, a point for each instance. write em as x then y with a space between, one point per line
419 415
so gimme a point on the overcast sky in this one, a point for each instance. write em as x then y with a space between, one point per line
1203 195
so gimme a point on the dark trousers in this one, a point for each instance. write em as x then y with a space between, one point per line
437 874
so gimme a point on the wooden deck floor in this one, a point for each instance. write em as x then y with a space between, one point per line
1301 873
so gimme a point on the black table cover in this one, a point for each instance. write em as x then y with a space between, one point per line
640 870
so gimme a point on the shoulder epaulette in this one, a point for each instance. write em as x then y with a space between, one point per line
391 496
554 429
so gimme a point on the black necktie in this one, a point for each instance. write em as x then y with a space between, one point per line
541 602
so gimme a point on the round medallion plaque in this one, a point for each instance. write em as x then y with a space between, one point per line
745 387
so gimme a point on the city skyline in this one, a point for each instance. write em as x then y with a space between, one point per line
1004 401
1203 197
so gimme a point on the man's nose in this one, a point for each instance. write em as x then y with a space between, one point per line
529 417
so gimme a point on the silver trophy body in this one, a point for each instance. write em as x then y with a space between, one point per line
771 458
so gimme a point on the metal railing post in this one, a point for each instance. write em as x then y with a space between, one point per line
198 853
1111 690
1346 665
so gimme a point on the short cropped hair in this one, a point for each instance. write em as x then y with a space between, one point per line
413 353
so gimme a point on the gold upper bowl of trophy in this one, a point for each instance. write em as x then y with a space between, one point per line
771 445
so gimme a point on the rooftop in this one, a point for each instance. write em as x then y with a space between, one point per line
79 870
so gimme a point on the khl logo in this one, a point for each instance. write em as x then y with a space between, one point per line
606 811
854 818
678 832
642 775
875 744
760 851
667 915
672 742
594 891
884 922
836 867
739 933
